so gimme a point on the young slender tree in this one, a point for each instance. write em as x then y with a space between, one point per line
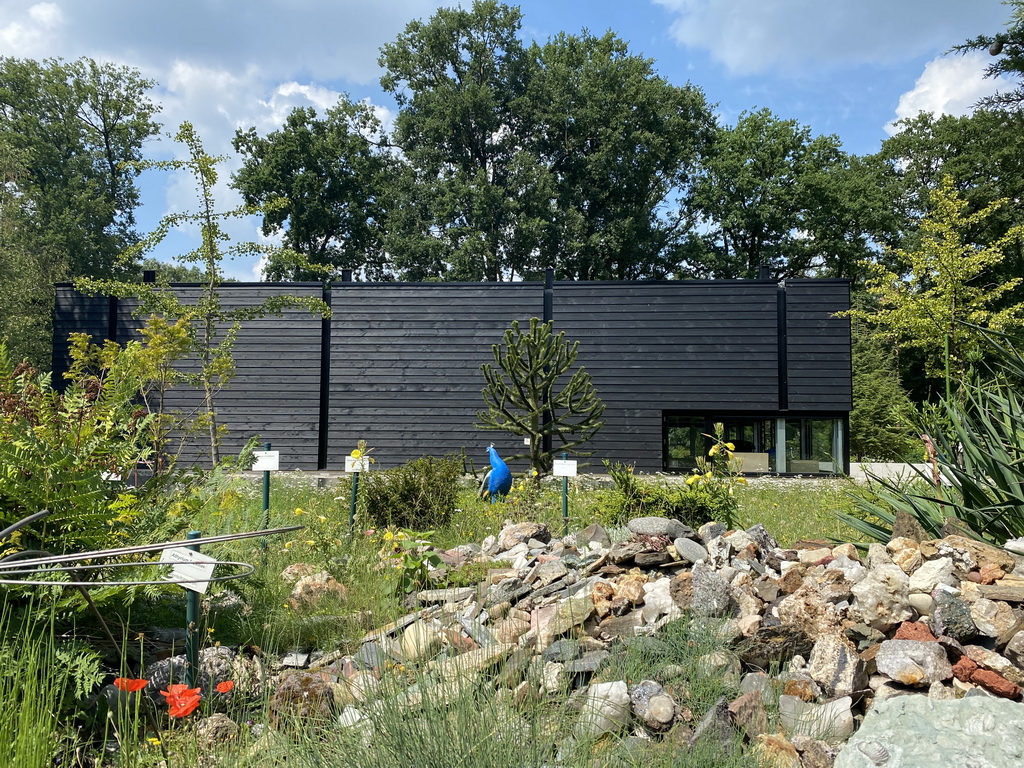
947 287
211 326
535 390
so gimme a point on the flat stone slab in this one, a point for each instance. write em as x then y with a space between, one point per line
921 732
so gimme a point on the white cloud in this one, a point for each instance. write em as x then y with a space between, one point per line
30 33
749 36
949 85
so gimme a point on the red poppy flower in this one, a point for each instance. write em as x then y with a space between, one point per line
129 684
181 700
225 687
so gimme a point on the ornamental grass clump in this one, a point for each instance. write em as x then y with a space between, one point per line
975 449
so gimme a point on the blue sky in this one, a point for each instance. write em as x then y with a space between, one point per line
848 67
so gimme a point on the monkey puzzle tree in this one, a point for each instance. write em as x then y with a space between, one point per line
533 390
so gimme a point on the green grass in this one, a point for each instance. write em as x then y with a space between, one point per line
792 510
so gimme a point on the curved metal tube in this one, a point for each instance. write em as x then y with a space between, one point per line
74 569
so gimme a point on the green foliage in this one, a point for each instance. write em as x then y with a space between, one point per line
882 417
79 127
978 465
55 448
419 495
533 391
415 560
327 175
40 681
707 495
775 196
209 326
947 286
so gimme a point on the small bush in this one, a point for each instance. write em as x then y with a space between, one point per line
420 495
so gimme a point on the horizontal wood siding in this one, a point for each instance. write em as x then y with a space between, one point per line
818 345
688 345
405 367
74 312
275 393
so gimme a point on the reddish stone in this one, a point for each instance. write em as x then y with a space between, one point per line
964 669
974 576
990 573
995 683
914 630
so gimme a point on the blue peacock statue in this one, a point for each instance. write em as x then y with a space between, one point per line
498 480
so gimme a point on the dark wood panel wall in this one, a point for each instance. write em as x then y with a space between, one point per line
398 363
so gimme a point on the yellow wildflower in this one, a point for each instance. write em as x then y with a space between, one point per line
714 450
692 479
356 453
730 446
300 511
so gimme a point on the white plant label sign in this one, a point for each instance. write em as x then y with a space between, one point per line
564 468
193 569
362 464
266 461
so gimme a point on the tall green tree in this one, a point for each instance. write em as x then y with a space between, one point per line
459 80
983 156
772 195
948 283
320 183
80 126
622 147
27 271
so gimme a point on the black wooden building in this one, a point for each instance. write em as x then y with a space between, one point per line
398 366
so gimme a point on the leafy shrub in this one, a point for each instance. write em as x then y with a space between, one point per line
707 495
57 448
420 495
977 472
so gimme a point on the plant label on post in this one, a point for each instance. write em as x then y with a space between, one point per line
193 569
353 464
526 441
266 461
564 468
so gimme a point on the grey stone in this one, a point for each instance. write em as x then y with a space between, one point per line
651 559
659 526
836 666
480 634
931 574
452 595
592 534
831 721
689 550
295 660
913 662
371 656
710 592
951 616
764 540
921 732
717 726
563 650
992 618
710 531
880 600
606 709
587 664
648 700
520 533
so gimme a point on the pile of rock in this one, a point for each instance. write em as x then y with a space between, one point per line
832 635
